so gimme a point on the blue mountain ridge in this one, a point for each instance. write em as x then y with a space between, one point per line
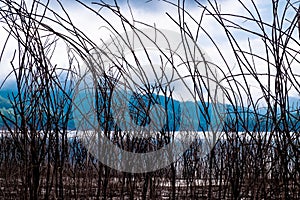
200 114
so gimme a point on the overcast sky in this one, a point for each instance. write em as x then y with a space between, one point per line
154 12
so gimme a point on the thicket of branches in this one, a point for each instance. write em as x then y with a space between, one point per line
256 156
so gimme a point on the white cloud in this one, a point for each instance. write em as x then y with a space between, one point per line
92 26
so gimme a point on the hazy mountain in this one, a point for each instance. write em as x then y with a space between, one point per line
198 115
